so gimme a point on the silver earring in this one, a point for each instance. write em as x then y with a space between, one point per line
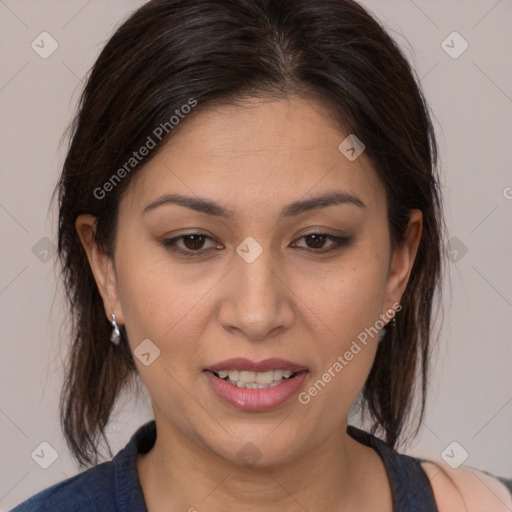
393 320
392 323
115 337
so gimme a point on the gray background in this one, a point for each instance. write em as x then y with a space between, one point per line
471 391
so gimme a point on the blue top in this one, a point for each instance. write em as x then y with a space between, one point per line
114 486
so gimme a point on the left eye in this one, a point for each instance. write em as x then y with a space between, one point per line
193 243
316 241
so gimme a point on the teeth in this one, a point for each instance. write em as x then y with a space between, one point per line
254 385
255 380
247 376
233 374
265 377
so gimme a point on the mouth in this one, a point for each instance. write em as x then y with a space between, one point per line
255 380
255 386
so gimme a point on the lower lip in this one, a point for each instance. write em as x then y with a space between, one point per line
255 399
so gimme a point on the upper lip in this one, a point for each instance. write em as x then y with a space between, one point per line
241 363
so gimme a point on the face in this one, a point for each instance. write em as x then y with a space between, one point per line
265 272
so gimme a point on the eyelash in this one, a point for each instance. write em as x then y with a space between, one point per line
170 244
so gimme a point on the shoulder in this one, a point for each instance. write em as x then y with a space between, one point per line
89 491
466 489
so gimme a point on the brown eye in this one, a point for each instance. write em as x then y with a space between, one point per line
315 242
191 244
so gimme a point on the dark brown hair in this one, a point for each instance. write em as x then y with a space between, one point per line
171 51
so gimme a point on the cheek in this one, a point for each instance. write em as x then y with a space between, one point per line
347 307
349 296
158 306
155 298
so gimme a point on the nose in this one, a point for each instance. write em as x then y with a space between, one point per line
256 302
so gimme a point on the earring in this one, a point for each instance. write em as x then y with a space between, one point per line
115 337
393 320
391 324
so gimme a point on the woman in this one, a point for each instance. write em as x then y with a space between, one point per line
249 199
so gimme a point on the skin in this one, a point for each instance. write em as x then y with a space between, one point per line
307 308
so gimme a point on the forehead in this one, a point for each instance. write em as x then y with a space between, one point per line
256 153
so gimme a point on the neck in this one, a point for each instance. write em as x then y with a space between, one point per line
180 473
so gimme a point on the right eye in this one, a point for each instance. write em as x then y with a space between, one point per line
191 244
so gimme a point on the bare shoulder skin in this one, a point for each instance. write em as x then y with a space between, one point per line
467 490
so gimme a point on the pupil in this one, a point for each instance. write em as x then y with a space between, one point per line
318 241
197 241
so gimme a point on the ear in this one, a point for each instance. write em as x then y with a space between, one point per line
102 266
402 259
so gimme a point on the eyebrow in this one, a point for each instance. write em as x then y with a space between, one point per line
210 207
